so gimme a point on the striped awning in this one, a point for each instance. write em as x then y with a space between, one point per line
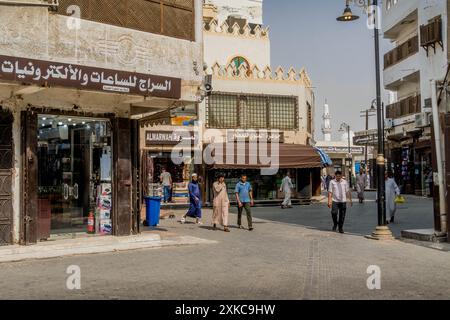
324 157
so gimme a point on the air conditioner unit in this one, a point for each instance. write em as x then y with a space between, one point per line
388 124
422 120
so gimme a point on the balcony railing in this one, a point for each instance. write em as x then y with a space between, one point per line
401 52
431 34
405 107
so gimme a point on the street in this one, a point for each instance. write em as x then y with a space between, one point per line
292 254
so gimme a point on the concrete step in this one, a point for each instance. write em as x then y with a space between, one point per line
426 235
94 245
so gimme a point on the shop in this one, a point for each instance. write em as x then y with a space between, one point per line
74 176
303 163
72 164
410 163
77 179
161 150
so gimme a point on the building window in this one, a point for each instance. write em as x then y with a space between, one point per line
173 18
230 111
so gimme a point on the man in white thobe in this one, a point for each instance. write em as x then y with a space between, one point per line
286 188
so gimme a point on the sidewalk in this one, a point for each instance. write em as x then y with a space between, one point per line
94 245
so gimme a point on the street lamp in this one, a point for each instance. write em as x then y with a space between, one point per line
382 231
349 160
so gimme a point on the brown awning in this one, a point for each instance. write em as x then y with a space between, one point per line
246 156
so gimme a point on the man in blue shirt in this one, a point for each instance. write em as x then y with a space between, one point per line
244 197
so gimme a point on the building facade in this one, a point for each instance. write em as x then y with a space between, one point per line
249 96
418 31
75 78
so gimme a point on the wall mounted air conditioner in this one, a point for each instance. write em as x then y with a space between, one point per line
423 120
388 124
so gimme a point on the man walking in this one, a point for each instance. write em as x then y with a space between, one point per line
338 195
361 184
286 188
244 197
166 180
195 199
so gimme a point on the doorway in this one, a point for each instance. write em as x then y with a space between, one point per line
74 176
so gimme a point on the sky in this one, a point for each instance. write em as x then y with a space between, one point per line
339 57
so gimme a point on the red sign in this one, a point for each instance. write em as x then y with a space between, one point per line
47 73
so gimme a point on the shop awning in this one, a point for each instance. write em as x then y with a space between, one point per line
247 156
325 158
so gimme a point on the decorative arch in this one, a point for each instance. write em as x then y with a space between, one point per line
239 62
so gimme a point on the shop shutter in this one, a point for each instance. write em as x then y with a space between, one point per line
6 166
29 214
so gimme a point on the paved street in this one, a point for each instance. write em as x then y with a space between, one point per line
291 255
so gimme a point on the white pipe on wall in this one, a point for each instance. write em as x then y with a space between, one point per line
439 158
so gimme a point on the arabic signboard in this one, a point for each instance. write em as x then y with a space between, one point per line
47 73
175 137
332 149
363 138
254 136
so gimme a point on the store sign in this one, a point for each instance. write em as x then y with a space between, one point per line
330 149
255 136
168 137
47 73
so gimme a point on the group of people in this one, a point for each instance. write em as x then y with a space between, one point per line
340 194
221 203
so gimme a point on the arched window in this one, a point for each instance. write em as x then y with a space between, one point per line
237 62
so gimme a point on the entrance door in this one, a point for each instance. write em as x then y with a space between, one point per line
6 164
74 176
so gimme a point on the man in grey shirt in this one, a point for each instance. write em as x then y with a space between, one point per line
166 180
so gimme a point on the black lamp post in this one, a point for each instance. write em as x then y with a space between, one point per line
382 232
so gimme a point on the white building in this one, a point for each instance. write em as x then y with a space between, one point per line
418 31
248 93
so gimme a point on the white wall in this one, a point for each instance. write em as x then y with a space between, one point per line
222 48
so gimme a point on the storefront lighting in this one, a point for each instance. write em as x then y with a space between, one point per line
60 123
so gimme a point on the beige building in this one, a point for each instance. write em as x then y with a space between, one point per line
75 76
249 95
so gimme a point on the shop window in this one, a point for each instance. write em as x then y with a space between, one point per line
74 177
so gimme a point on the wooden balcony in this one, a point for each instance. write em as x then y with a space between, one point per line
431 34
401 52
405 107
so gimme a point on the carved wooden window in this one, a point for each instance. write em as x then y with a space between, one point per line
231 111
173 18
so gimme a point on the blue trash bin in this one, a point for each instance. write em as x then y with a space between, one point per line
153 211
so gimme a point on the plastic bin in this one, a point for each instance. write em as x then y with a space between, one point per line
153 211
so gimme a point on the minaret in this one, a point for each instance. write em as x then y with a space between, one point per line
326 127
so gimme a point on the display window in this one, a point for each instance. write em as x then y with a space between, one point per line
180 174
264 187
74 176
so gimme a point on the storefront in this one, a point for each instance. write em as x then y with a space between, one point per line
303 163
161 150
74 175
72 164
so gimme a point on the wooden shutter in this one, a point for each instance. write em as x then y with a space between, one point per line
123 206
6 166
29 214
